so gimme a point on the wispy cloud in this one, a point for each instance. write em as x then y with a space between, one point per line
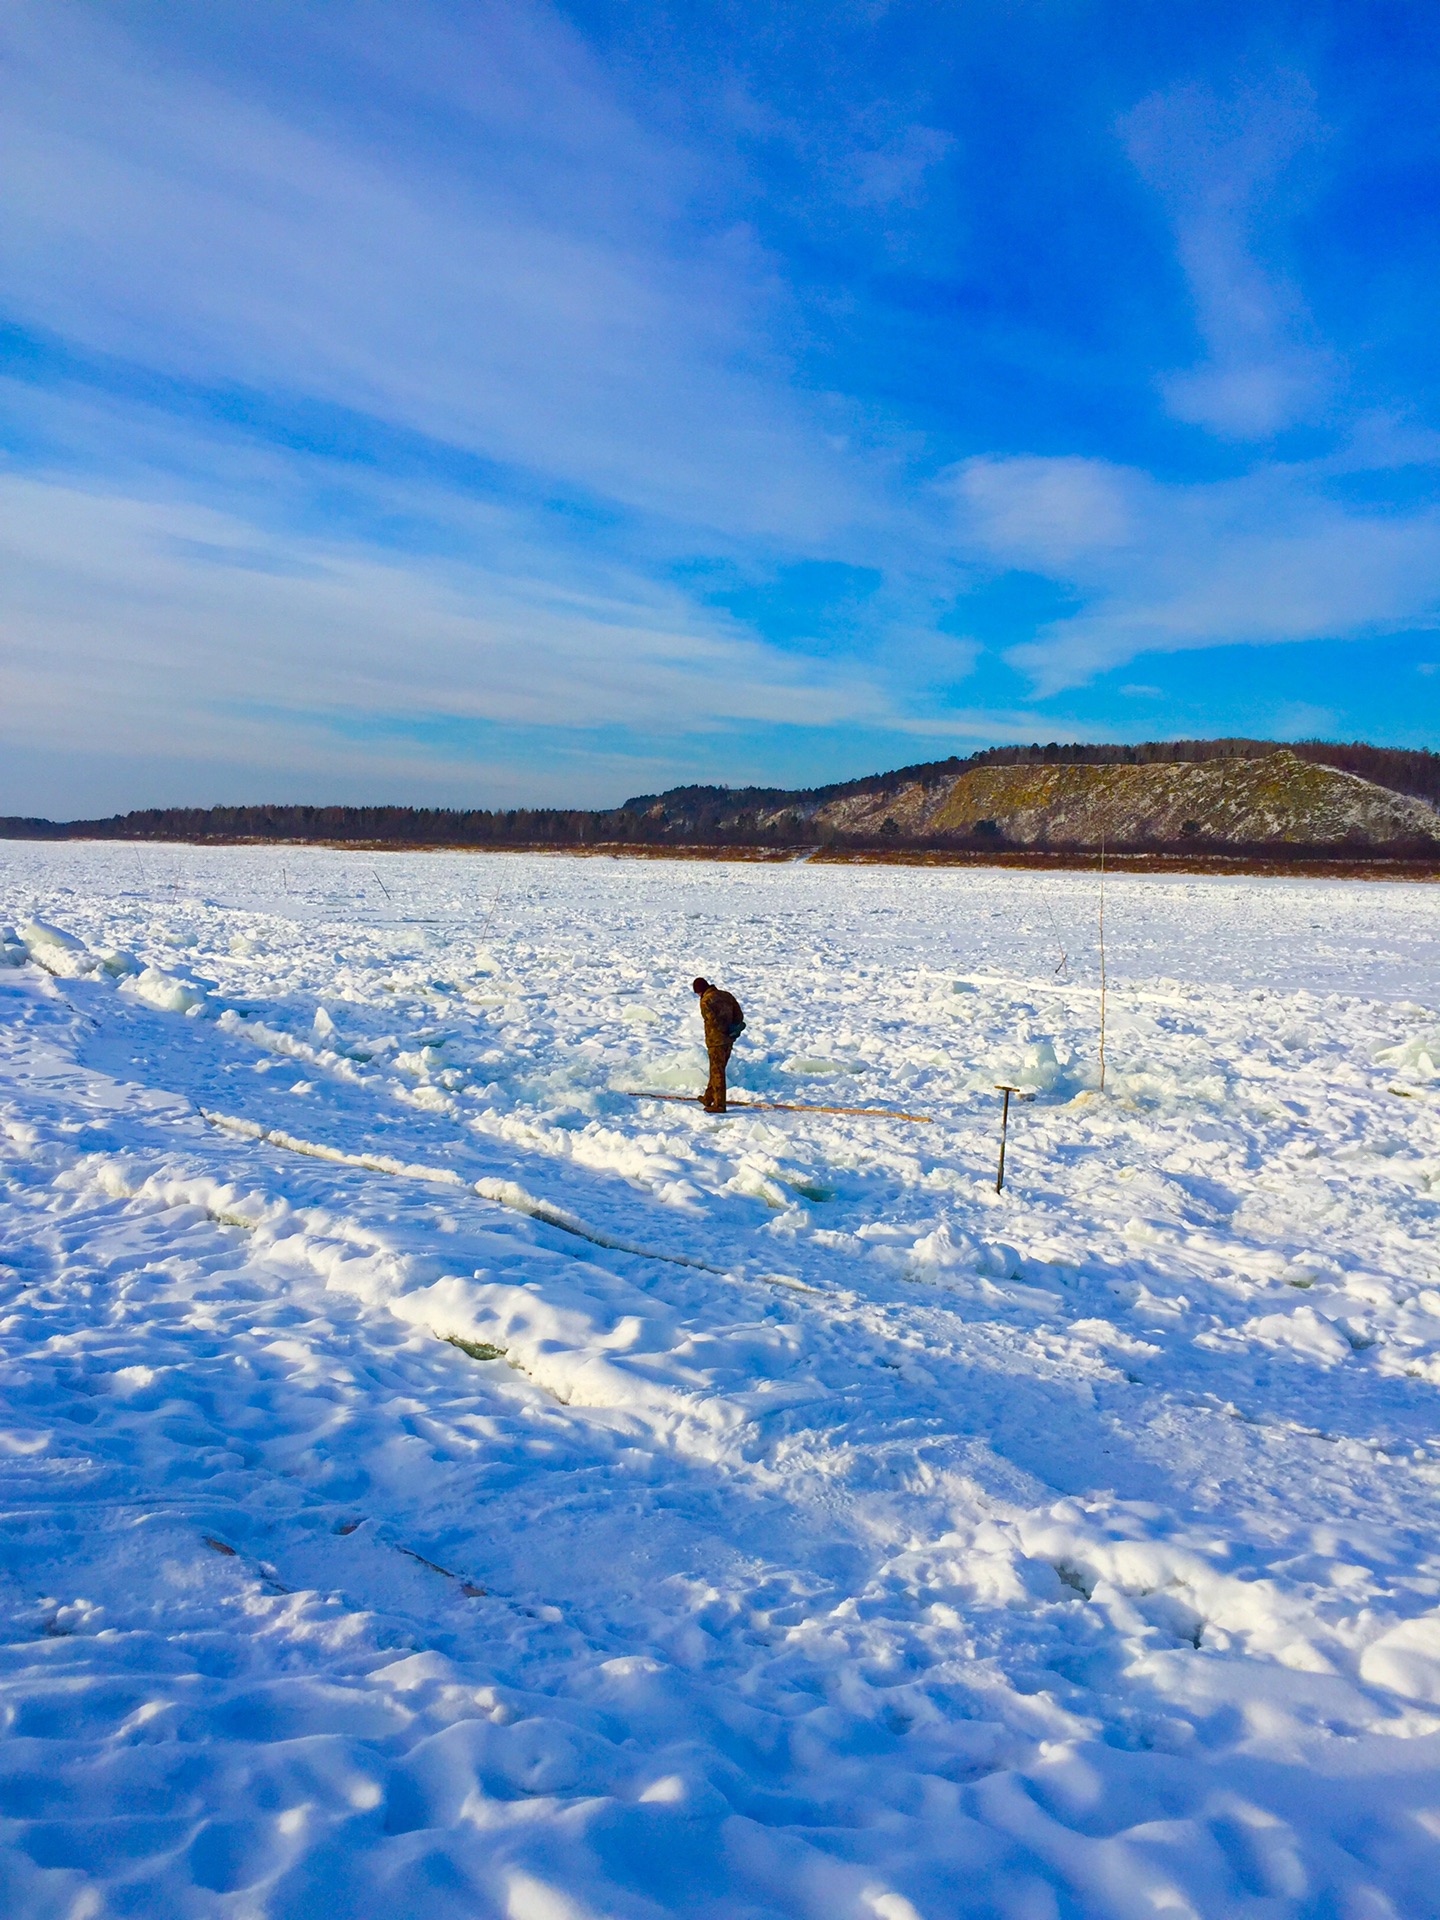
512 273
549 308
488 392
151 613
1271 557
1047 513
1220 165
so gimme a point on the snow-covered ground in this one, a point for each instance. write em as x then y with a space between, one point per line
433 1483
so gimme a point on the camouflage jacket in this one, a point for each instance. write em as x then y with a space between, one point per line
722 1016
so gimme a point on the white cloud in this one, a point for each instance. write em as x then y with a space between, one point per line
157 623
1043 512
461 232
895 172
486 250
528 291
1220 166
1267 558
1302 720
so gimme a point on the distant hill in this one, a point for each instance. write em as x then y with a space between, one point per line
1251 797
1228 795
1279 799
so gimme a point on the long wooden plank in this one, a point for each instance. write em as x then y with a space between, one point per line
779 1106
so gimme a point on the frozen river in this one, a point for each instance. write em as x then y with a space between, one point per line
437 1483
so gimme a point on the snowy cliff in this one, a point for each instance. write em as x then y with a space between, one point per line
1219 802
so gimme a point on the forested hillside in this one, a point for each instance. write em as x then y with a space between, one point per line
1350 801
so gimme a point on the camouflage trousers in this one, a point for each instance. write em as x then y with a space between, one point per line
719 1048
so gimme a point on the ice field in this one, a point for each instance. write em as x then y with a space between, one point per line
434 1483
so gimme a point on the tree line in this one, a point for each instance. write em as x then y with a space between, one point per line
703 815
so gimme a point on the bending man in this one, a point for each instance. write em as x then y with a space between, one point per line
724 1023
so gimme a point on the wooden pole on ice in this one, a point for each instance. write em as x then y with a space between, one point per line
1103 962
1004 1130
777 1106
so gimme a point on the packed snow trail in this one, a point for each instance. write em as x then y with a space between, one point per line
433 1482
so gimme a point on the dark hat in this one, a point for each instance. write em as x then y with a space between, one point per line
702 985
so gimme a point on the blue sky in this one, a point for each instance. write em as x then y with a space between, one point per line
487 404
